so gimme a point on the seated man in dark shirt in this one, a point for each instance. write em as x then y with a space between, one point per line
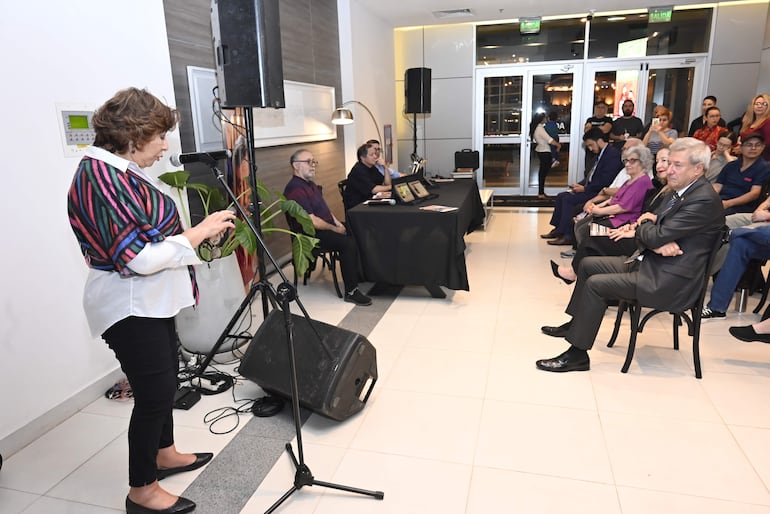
364 179
328 229
740 182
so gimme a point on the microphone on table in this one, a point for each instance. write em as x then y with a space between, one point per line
179 159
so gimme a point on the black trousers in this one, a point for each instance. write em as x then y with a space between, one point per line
599 279
546 159
348 250
146 350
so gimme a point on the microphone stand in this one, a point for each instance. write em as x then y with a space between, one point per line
284 294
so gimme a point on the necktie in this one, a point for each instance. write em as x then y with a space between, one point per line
675 199
590 174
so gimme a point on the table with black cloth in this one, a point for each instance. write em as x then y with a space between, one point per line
404 245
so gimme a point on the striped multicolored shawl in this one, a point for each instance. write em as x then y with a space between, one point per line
114 214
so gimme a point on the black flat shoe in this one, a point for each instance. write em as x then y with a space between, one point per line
200 460
559 331
561 241
551 235
555 269
749 335
564 363
181 506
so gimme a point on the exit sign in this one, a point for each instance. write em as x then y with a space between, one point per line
660 14
529 25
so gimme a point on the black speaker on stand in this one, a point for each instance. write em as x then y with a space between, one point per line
237 49
416 98
247 50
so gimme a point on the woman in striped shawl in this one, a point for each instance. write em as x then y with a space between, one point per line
140 259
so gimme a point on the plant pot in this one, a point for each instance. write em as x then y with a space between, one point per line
221 293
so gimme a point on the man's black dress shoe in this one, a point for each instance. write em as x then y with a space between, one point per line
561 241
555 269
181 506
559 331
553 234
200 460
749 335
565 362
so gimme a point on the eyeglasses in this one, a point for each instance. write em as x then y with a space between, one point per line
310 162
751 145
630 160
760 104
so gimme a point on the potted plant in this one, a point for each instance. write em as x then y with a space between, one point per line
219 279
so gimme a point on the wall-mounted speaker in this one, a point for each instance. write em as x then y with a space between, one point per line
247 52
417 90
335 374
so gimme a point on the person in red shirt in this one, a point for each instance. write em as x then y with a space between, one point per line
711 131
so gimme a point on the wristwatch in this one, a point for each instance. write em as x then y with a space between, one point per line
645 220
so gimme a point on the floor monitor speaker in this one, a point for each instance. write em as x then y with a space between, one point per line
247 53
417 90
335 384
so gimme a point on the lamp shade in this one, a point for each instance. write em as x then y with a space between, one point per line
342 116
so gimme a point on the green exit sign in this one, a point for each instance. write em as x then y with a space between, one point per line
529 25
660 14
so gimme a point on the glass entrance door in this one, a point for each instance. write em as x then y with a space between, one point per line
650 82
511 96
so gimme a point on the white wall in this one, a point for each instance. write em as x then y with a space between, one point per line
80 51
764 69
734 74
449 52
367 74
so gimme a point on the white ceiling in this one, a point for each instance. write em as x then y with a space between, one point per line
406 13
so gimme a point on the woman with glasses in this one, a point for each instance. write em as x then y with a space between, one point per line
756 120
660 135
621 210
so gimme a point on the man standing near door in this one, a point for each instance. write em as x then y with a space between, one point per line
626 126
601 121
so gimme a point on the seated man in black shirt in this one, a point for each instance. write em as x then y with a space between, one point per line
364 179
328 229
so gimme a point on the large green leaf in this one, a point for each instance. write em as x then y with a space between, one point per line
294 210
302 251
175 179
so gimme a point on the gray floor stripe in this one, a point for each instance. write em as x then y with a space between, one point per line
231 478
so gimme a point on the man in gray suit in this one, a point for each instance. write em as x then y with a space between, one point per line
674 245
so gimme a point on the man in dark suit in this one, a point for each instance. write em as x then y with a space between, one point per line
674 244
601 175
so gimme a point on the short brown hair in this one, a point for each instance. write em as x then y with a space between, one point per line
131 116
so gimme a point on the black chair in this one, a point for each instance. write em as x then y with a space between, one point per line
341 185
328 258
693 319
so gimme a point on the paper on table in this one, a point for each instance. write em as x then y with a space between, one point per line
438 208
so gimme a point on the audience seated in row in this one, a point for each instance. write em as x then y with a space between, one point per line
619 240
674 243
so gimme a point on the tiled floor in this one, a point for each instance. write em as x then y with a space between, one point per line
462 422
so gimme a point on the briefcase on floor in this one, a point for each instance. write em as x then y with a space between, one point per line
467 158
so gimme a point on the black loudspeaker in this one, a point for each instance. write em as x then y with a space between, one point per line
335 384
247 52
417 90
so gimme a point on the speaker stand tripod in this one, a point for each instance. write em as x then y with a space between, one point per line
285 293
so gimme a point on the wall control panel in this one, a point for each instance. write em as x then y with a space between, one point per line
77 129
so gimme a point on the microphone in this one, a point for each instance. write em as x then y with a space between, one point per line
178 159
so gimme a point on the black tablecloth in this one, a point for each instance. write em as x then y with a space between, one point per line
404 245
